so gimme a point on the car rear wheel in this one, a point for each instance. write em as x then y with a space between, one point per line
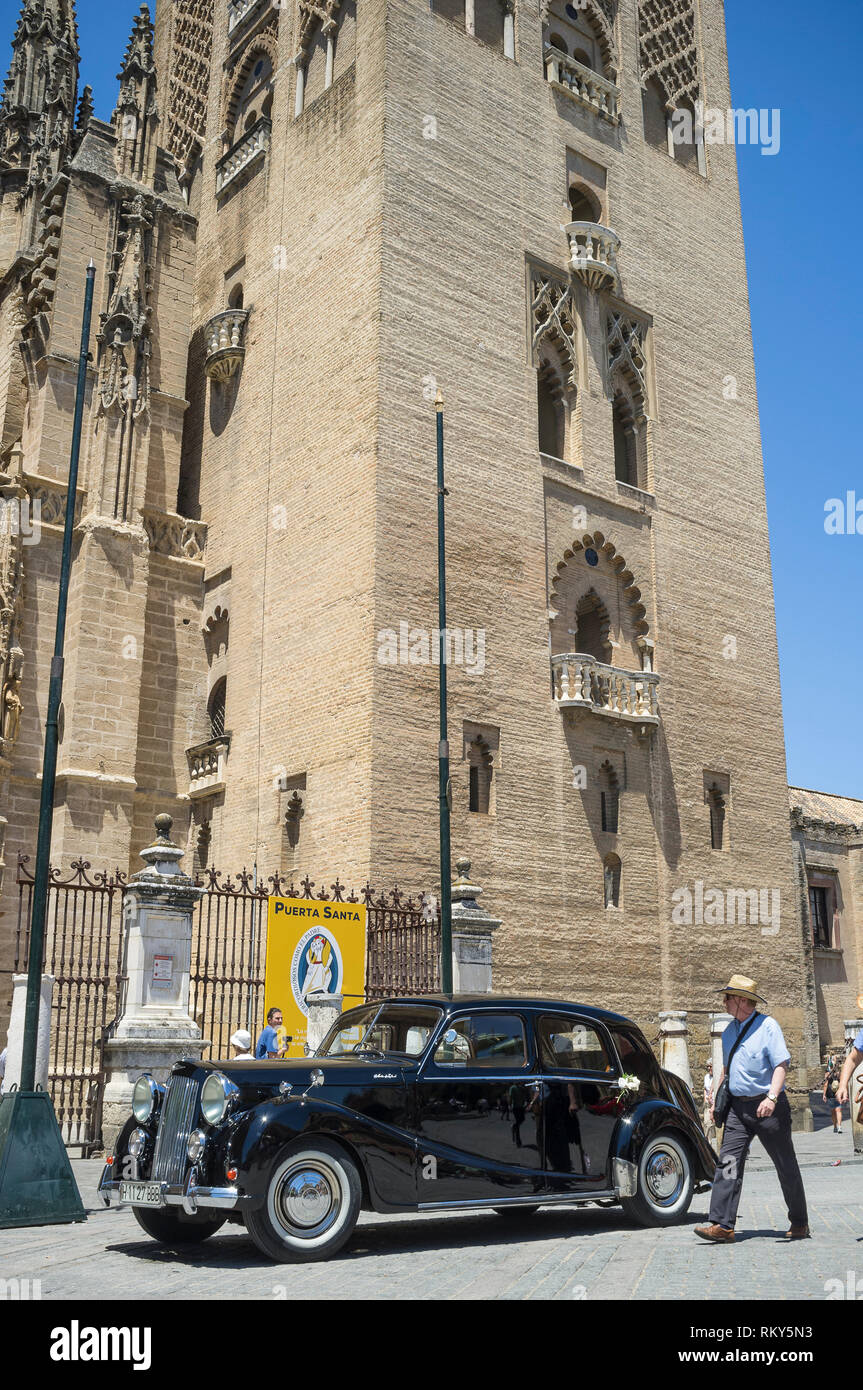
176 1227
312 1204
665 1182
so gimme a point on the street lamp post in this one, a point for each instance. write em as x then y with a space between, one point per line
444 789
45 1192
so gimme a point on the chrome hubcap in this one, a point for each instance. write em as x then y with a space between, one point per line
307 1199
664 1176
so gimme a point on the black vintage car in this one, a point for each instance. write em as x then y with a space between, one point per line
426 1104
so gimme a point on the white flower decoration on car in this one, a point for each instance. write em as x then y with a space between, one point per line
628 1082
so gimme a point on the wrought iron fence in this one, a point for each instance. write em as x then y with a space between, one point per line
84 952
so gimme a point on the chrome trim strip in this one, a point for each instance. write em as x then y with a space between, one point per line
572 1198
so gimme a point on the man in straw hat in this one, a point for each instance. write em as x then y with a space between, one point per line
759 1106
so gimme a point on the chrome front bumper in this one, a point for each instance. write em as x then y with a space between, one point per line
189 1196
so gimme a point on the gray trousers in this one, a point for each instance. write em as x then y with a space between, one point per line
742 1127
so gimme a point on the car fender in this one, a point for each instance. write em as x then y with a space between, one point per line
639 1124
386 1157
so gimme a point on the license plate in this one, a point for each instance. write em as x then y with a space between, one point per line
141 1194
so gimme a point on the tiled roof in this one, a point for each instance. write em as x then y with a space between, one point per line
844 810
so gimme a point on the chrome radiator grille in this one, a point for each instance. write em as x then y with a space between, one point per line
179 1108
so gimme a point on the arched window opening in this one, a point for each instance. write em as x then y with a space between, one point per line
216 708
654 116
716 802
583 205
480 772
551 413
570 29
488 22
609 798
611 880
251 95
453 10
592 628
684 142
235 298
625 442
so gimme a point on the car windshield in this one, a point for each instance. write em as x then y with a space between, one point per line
381 1029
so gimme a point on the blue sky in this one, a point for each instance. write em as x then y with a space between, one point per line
801 215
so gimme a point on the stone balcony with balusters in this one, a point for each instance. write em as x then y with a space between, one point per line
225 343
248 150
207 766
582 682
585 86
593 252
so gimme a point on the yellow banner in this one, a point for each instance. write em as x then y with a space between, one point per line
313 947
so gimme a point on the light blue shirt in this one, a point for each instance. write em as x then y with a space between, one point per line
267 1042
756 1059
858 1041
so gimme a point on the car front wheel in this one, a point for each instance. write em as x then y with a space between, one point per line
312 1204
665 1182
175 1227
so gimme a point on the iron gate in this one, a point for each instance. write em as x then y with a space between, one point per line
84 953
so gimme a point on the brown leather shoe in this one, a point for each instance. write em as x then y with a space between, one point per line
798 1233
720 1234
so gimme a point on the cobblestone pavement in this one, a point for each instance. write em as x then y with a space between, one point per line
587 1253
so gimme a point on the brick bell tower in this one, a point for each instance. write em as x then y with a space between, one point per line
71 190
488 197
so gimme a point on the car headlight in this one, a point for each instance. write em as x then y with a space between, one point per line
195 1146
137 1142
145 1098
217 1095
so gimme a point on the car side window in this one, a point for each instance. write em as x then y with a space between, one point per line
637 1058
567 1044
483 1040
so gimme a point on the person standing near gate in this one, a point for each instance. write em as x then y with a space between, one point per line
756 1062
268 1042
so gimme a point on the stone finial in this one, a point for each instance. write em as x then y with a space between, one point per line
162 857
85 108
463 891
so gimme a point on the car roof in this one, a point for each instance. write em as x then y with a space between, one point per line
451 1002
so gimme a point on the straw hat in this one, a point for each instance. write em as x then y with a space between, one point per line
241 1039
746 988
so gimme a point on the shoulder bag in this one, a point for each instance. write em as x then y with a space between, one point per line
722 1104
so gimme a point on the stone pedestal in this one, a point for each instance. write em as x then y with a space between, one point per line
324 1009
718 1024
16 1032
673 1044
154 1029
852 1027
472 931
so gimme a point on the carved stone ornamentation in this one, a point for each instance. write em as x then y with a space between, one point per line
189 81
124 335
136 117
37 108
175 536
225 339
626 354
593 254
552 316
667 49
